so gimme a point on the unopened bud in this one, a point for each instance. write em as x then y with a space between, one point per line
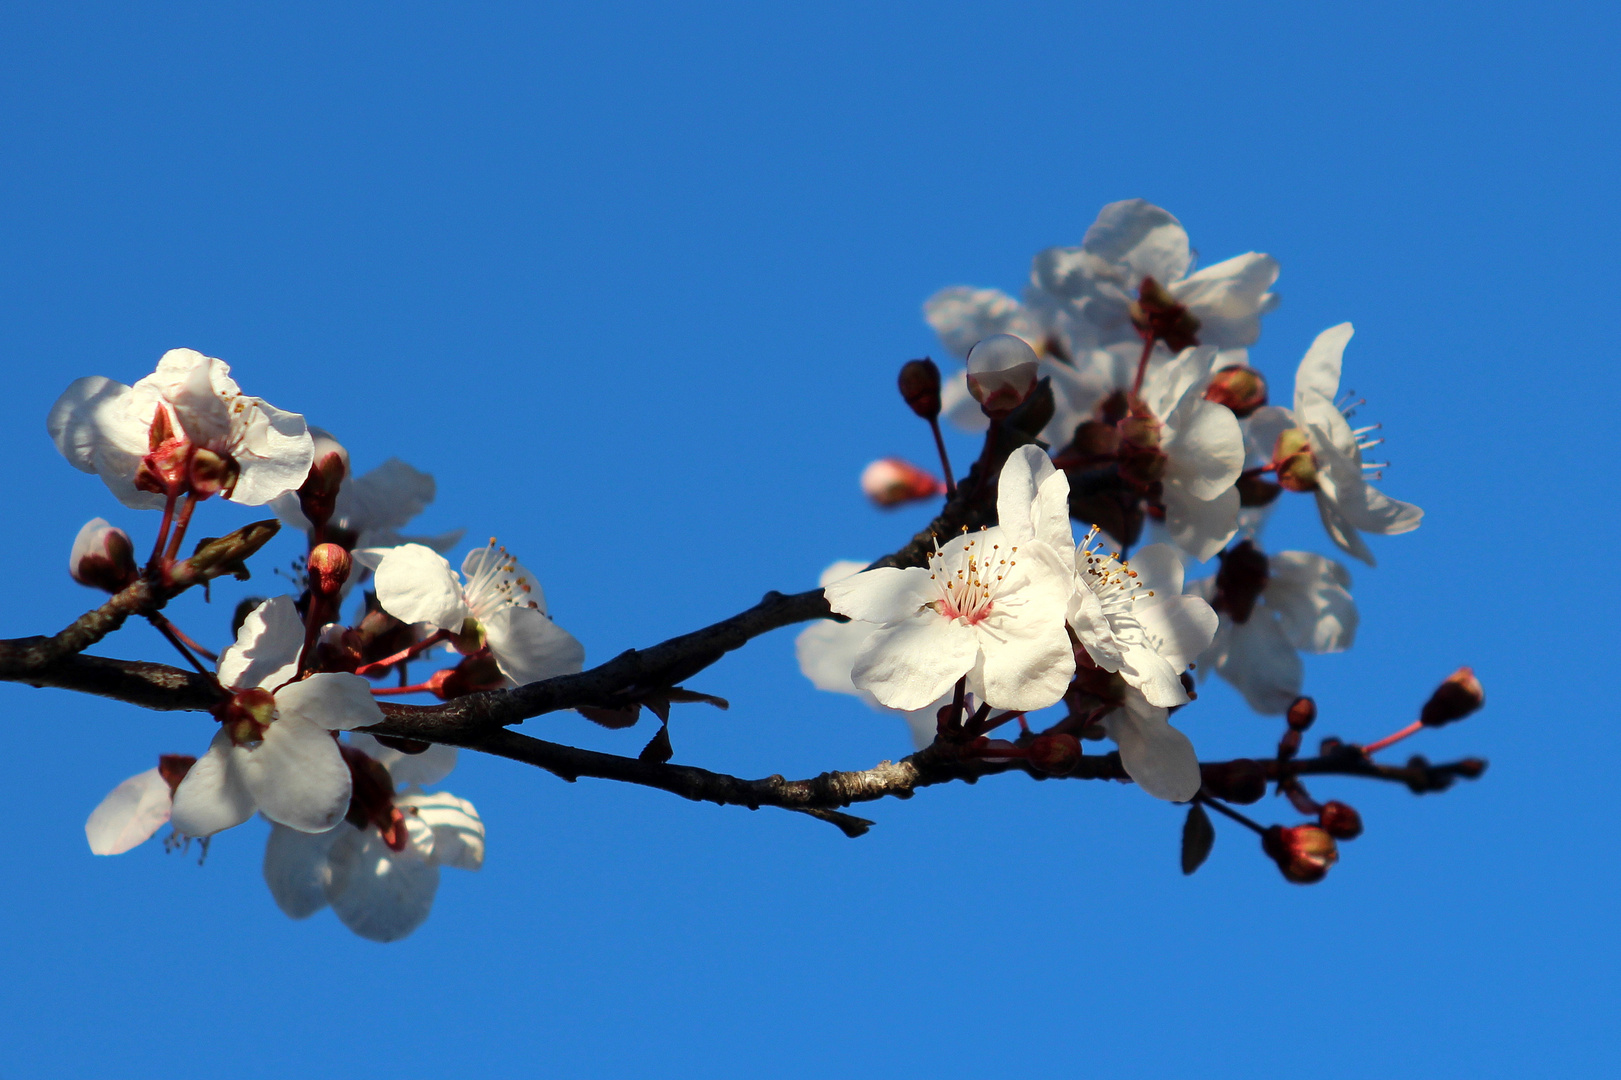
1056 755
1240 388
1454 699
1292 457
1241 781
1001 373
329 566
318 495
247 715
1156 314
1340 821
1471 768
474 673
1303 853
1302 713
103 557
1330 745
893 482
920 387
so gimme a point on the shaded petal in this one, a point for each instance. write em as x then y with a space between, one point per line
129 815
1205 446
379 894
266 649
1341 531
1157 756
1315 610
883 595
275 452
958 406
1085 615
826 652
911 663
458 832
529 647
1319 371
97 426
1263 427
1179 628
493 566
336 701
1229 299
1200 528
214 796
383 499
1027 661
1261 664
295 868
416 584
963 316
296 775
1149 241
429 767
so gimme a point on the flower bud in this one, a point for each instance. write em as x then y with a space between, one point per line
1156 314
893 482
1056 755
1302 712
318 495
920 387
209 473
247 715
1454 699
474 673
1303 853
1292 457
1471 768
103 557
1001 373
1340 821
329 566
1241 781
1240 388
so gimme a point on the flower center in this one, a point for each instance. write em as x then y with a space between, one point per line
1111 579
499 583
967 577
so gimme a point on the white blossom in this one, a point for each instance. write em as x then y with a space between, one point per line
1203 448
278 757
1156 755
501 603
104 427
371 508
130 814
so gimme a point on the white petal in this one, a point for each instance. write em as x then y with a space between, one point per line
296 775
214 796
840 570
911 663
1032 501
1341 531
529 647
1085 616
1157 756
963 316
429 767
1229 299
274 450
1319 371
1148 240
98 428
379 894
958 406
1261 664
503 579
1263 427
924 723
1198 527
295 868
1027 661
1205 446
1179 628
416 584
267 647
1159 570
383 499
882 595
826 652
458 832
1315 610
129 815
335 701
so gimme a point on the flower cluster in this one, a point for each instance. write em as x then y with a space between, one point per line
1160 431
351 827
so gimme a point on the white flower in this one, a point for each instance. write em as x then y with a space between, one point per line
1324 455
503 601
1133 618
371 508
105 427
990 606
826 651
1133 239
1156 755
136 808
1272 609
380 883
1202 446
274 752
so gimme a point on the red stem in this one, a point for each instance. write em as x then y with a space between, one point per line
1411 729
404 654
1142 367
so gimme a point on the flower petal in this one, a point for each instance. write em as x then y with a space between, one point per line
416 584
963 316
1200 528
274 449
908 664
1261 664
458 832
1157 756
826 652
295 868
336 701
379 894
429 767
129 815
529 647
1032 501
267 647
1319 371
1229 298
1204 445
1179 628
886 594
214 796
296 775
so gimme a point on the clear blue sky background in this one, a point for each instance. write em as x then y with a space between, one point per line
633 282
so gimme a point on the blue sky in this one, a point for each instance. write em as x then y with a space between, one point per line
633 282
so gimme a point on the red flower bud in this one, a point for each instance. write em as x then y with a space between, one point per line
1056 755
920 387
329 567
1289 745
1303 853
1340 821
1302 711
893 482
1454 699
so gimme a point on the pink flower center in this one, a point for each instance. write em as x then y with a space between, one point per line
967 579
